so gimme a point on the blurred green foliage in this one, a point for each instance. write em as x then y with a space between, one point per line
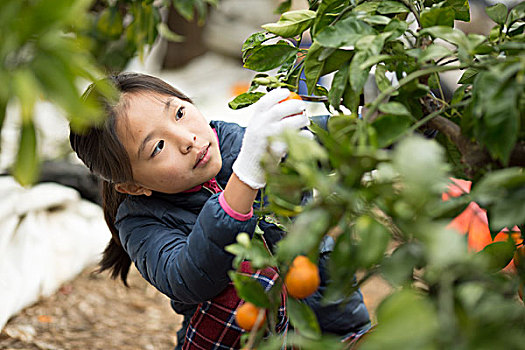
50 49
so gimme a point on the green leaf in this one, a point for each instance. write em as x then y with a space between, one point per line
343 33
437 16
394 108
420 162
452 35
459 94
376 19
253 41
326 13
245 99
284 6
374 239
382 81
110 23
343 263
357 75
389 127
371 44
461 9
335 60
502 193
498 254
304 151
434 52
396 28
398 268
339 84
444 247
26 89
509 211
517 13
475 41
405 320
351 100
184 8
291 23
27 161
367 6
388 7
512 47
250 290
268 57
468 76
313 67
305 234
495 108
372 61
167 34
498 13
303 319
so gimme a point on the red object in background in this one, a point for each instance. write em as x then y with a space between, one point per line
474 223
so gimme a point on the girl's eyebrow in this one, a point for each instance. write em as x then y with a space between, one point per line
167 105
143 144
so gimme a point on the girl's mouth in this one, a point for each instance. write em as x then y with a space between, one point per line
202 157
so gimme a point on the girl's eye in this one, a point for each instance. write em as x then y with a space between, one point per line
180 113
158 148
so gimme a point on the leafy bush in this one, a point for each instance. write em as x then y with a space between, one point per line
379 177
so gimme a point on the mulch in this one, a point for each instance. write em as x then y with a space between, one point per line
95 312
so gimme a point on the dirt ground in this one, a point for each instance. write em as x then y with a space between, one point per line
95 312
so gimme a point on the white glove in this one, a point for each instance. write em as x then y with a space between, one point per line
269 118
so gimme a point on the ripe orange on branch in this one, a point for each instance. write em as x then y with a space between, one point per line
292 96
302 278
246 316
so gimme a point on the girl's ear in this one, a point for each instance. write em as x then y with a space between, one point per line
132 189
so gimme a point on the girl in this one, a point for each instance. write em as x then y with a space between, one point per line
178 189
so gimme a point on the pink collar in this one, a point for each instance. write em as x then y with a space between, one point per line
210 184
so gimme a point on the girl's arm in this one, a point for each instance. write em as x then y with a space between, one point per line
184 256
239 195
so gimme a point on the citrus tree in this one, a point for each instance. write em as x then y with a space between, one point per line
379 176
50 49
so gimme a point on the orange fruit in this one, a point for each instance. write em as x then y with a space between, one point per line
292 96
246 316
302 278
239 88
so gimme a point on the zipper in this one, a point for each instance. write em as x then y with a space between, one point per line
212 191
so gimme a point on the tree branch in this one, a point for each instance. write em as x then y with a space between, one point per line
473 154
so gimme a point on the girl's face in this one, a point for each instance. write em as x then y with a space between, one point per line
170 144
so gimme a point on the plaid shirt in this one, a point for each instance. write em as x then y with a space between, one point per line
213 325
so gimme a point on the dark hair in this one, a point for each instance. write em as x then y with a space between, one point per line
102 152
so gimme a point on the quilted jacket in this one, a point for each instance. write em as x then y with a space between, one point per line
177 242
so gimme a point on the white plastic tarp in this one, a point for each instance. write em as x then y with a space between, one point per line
48 234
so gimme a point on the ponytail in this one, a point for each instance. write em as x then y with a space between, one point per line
114 257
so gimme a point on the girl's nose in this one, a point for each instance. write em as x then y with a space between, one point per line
187 143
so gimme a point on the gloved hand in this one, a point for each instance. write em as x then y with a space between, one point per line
269 118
